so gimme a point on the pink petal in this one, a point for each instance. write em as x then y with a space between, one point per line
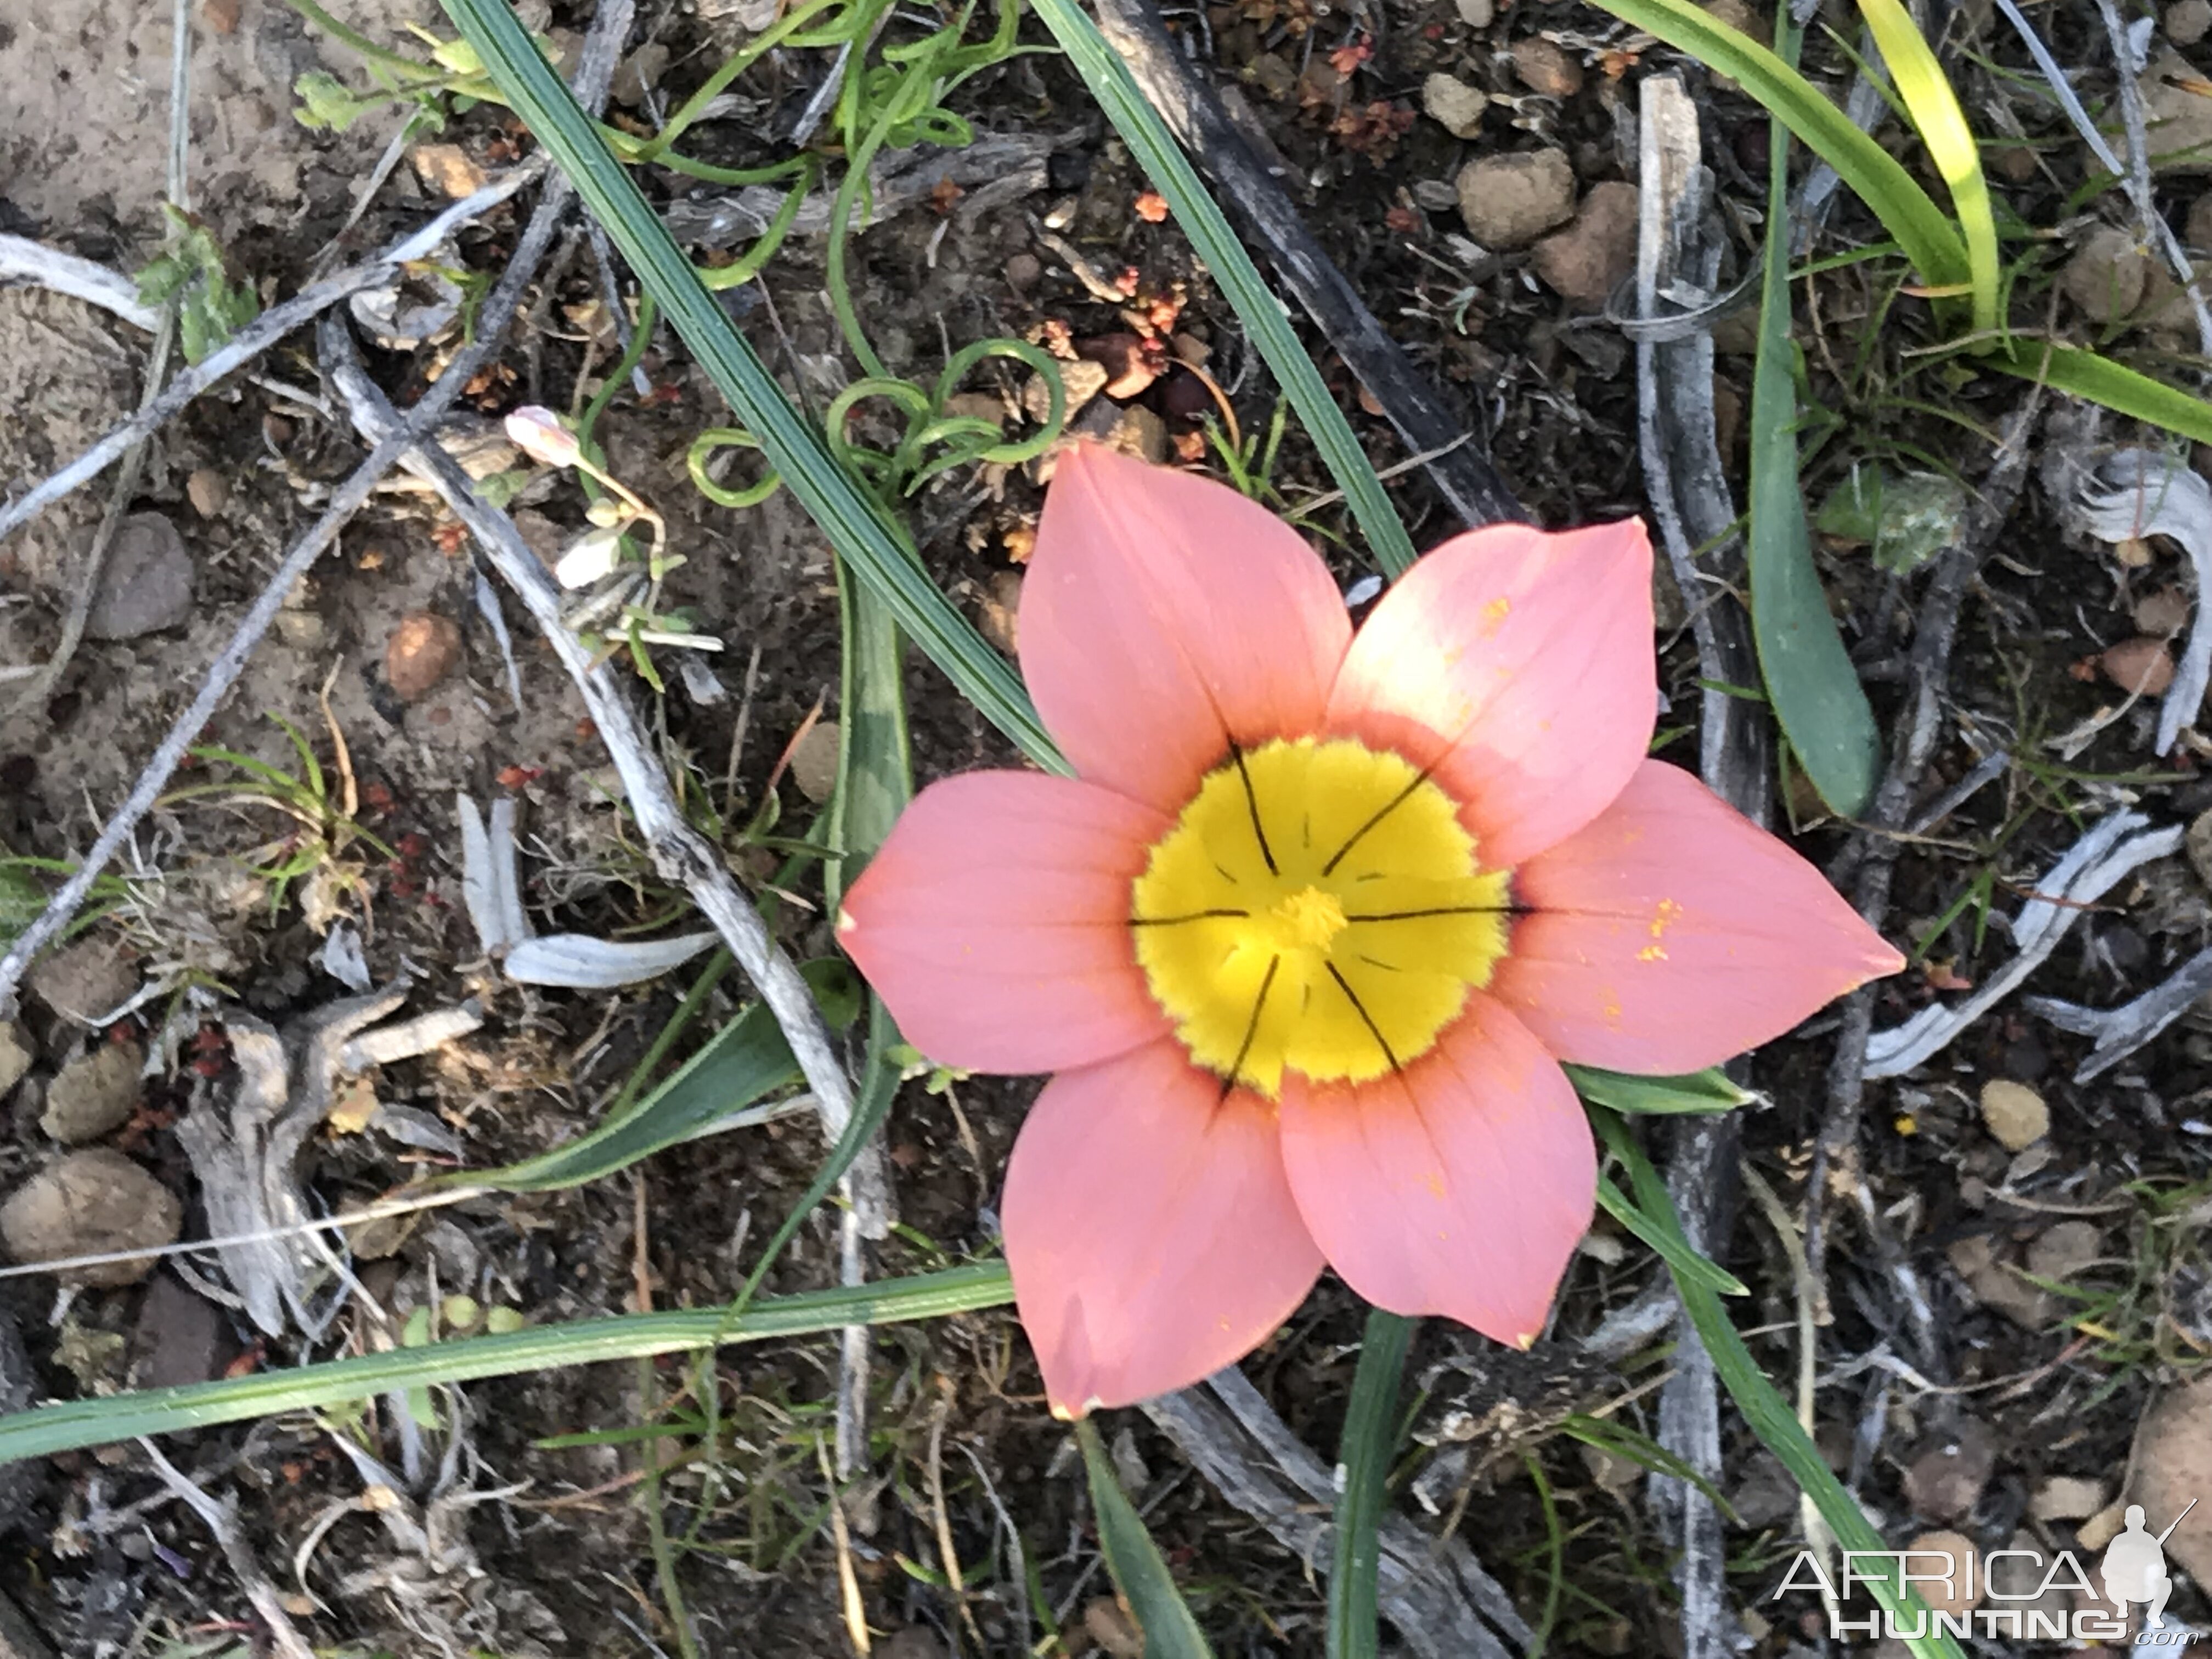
1458 1186
1152 1235
1672 932
1519 665
1164 614
994 921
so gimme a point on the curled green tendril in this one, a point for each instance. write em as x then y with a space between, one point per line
703 451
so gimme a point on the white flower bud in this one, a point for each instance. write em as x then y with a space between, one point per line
540 435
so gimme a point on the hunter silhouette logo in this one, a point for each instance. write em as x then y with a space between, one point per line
2002 1592
2134 1567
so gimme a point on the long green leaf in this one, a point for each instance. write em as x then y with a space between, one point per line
1370 1429
1708 1091
1815 691
1681 1257
1256 307
1143 1579
1770 1418
876 548
1926 233
2100 380
72 1424
744 1061
1933 108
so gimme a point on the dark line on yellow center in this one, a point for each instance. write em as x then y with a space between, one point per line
1252 1029
1366 1018
1381 813
1252 800
1194 915
1445 910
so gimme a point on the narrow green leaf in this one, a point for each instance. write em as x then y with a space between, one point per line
744 1061
1668 1244
1143 1579
1770 1417
1708 1091
1814 690
1370 1428
76 1423
876 547
1942 125
2100 380
1256 306
1926 233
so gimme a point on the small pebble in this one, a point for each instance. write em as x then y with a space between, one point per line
1508 200
2198 228
999 617
85 983
2100 1529
2068 1497
14 1055
424 649
447 169
94 1093
1594 254
2141 666
2063 1250
2198 845
2162 614
1946 1481
1022 271
1476 14
637 75
208 491
2106 276
1079 382
147 585
1105 1622
2188 22
1544 69
1740 15
1944 1593
814 762
1454 106
87 1204
2014 1113
179 1337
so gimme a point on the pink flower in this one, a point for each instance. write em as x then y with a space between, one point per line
1307 936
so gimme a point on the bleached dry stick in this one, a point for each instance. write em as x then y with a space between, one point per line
680 853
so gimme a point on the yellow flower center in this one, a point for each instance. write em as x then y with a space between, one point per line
1317 906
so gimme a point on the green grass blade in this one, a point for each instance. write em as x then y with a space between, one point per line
2100 380
1370 1429
876 548
1143 1579
1926 233
77 1423
1770 1418
1256 307
1671 1246
1817 697
1942 125
1698 1092
744 1061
